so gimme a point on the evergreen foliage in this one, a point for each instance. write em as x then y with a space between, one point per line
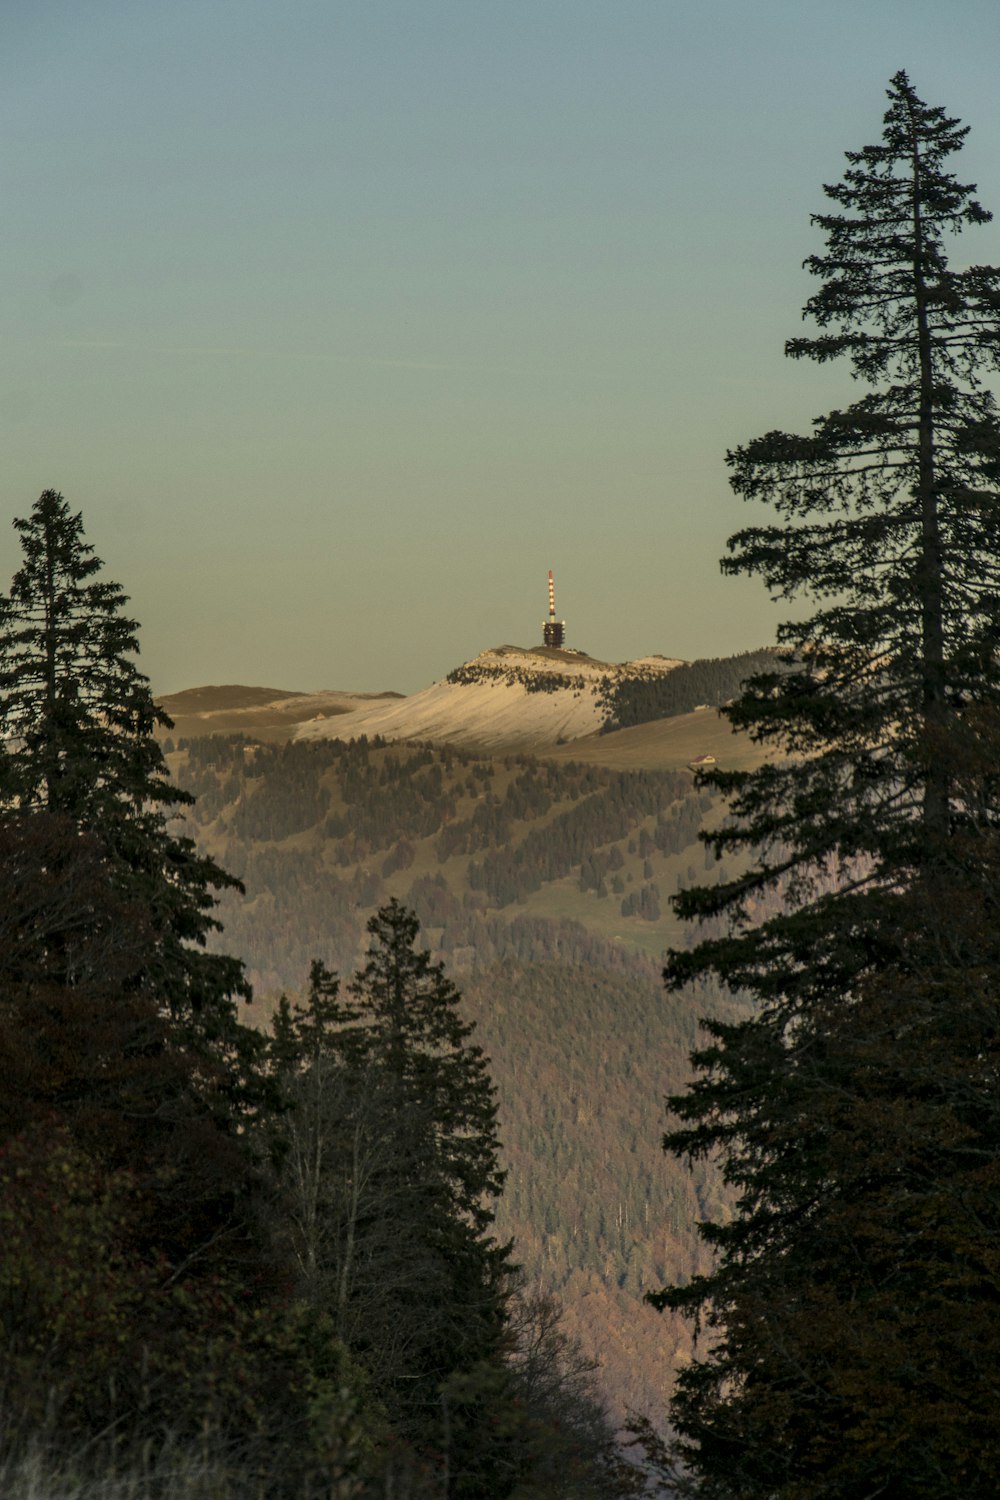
143 1299
139 1287
563 994
390 1160
343 1328
854 1110
77 739
708 682
475 837
78 718
408 1110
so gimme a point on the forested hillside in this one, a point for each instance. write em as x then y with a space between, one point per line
708 682
544 888
322 832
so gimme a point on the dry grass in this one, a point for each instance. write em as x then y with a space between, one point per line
266 714
174 1475
665 745
260 713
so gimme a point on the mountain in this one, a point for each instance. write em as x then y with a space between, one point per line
657 711
507 698
543 887
260 712
542 881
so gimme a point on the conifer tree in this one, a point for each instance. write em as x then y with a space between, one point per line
889 519
77 739
445 1174
391 1164
865 830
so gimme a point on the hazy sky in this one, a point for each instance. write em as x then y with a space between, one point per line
343 322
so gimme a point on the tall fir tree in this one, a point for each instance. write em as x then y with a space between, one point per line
77 739
391 1163
889 524
889 520
434 1081
142 1297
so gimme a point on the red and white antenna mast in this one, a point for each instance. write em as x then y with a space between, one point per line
553 630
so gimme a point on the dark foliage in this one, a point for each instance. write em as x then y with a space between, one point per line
141 1294
532 682
393 1166
532 822
77 739
509 873
853 1111
156 1296
711 682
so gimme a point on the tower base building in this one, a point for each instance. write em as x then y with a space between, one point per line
553 630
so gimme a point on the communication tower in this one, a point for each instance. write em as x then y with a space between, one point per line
553 631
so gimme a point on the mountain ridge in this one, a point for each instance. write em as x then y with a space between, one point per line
506 699
509 699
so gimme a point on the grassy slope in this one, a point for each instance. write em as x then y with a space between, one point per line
261 713
665 744
270 714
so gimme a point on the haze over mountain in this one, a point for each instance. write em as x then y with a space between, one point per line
260 712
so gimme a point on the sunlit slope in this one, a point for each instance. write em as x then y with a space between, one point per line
505 699
543 883
656 711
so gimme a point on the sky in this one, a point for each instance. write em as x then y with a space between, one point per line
343 321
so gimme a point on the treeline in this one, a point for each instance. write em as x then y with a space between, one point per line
298 907
580 1053
566 1014
375 795
709 681
517 675
509 874
614 846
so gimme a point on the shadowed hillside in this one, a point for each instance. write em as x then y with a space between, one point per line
544 886
709 682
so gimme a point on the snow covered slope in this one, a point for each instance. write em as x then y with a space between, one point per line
507 698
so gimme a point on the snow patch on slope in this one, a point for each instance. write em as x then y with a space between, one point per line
507 698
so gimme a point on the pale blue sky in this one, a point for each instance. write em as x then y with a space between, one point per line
343 322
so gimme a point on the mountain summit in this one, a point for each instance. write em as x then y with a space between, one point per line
506 698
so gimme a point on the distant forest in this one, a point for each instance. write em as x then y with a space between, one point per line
322 832
710 681
545 888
